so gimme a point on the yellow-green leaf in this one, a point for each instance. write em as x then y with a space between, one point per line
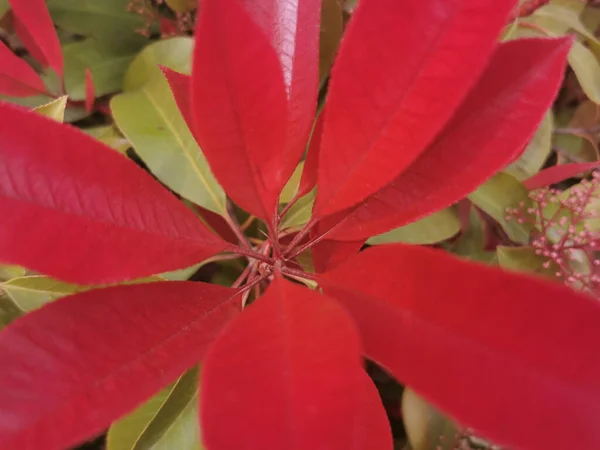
587 69
569 17
300 212
435 228
146 113
109 135
55 109
8 271
500 192
150 120
174 53
32 292
535 155
426 427
169 420
524 259
291 187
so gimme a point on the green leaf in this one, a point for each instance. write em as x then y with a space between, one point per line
55 109
8 311
182 274
568 17
106 21
32 292
110 136
535 155
169 420
8 272
500 192
435 228
426 427
174 53
72 114
587 69
148 117
291 187
300 212
524 259
107 67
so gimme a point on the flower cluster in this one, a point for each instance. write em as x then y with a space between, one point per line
566 231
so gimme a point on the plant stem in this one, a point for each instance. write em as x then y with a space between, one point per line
298 238
251 254
233 223
237 283
299 273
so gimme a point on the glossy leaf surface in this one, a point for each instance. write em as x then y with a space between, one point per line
17 78
389 91
488 131
36 29
68 360
532 340
127 226
239 105
292 359
292 27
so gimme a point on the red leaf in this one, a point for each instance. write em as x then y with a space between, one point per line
329 253
72 367
309 174
390 88
292 27
34 26
287 374
239 106
514 357
373 431
556 174
17 78
79 211
90 91
488 132
180 85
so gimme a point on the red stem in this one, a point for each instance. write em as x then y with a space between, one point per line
250 254
299 273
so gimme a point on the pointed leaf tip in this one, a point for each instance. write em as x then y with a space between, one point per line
388 96
487 132
34 26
